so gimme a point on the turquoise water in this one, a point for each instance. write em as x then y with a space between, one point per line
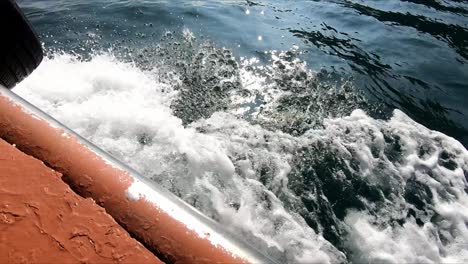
322 131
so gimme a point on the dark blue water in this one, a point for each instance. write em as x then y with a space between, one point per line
410 55
325 59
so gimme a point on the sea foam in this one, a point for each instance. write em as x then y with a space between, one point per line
219 164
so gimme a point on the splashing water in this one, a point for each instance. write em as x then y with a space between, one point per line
276 152
311 166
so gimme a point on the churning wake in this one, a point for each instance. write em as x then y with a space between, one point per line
273 151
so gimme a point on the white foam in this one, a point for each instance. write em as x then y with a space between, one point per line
370 238
113 104
117 106
407 244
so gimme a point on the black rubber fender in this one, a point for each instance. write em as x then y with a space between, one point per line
20 49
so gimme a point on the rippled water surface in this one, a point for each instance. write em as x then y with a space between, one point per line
322 131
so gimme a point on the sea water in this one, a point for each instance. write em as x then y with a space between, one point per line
321 131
